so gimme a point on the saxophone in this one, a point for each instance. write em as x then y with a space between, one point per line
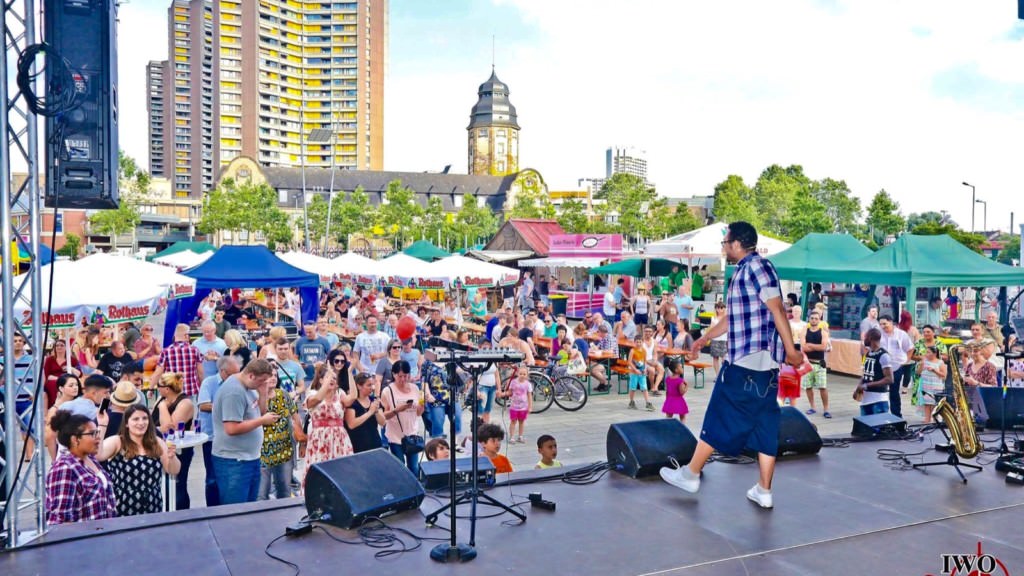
956 415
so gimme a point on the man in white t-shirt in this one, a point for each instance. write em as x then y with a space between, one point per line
370 347
897 343
609 304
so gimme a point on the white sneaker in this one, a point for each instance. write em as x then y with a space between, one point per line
760 496
680 477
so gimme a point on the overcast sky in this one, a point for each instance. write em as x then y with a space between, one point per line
911 96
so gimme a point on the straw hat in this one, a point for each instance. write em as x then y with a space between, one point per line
124 394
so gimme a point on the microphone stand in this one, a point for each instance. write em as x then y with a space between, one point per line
1005 454
453 551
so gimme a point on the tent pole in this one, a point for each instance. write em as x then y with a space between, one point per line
912 303
804 291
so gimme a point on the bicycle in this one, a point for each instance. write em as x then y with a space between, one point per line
567 391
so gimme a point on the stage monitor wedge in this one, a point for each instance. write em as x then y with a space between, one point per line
641 448
348 491
884 424
81 144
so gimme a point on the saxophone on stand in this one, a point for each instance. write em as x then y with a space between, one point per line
955 412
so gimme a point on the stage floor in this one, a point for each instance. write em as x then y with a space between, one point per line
841 512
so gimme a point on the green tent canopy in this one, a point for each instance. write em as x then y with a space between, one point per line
815 251
426 251
637 267
197 247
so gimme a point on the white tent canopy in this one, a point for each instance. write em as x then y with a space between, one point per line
310 263
704 245
82 292
401 269
132 270
352 266
474 273
183 259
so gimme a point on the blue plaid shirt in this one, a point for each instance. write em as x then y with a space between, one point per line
751 326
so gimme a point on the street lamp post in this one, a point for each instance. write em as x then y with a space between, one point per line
985 219
973 202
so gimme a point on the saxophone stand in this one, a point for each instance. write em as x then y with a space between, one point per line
453 551
952 460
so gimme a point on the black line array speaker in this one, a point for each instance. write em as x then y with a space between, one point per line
81 144
878 424
641 448
347 491
797 435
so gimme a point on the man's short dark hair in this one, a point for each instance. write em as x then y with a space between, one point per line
132 368
873 335
488 431
544 439
620 281
885 317
744 233
98 381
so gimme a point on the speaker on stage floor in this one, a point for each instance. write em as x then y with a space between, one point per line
797 435
641 448
875 424
347 491
993 398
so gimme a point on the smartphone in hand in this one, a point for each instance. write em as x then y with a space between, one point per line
104 405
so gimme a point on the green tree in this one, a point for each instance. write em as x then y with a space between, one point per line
972 241
884 217
573 217
250 208
806 215
532 202
473 222
133 188
774 193
434 225
914 220
316 214
842 208
682 220
71 247
1011 249
399 212
635 202
734 201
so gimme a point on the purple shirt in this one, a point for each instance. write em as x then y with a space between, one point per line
75 493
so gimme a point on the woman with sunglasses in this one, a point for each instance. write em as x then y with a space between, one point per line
327 438
147 346
55 366
641 306
68 388
172 409
77 487
383 375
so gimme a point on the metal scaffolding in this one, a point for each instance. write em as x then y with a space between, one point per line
20 220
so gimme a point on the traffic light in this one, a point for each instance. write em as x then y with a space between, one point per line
81 73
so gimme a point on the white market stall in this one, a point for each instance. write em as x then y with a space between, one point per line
323 267
183 259
473 273
356 268
704 245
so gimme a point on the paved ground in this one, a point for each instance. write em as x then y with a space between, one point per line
581 435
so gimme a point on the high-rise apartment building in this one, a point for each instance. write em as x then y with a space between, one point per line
285 82
155 72
619 160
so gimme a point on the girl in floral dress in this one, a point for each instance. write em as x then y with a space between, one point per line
327 439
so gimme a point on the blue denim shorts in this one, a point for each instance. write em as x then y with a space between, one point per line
743 412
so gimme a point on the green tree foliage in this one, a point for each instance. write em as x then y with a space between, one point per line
884 217
532 202
246 207
399 212
682 220
972 241
316 213
842 208
473 222
71 247
133 187
573 217
734 201
806 215
775 192
1011 249
352 215
434 223
914 220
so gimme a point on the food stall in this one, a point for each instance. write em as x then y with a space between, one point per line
570 256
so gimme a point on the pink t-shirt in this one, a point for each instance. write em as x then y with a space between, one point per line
520 394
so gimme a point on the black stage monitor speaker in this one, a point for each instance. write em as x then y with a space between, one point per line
347 491
435 474
993 398
796 434
81 143
875 424
641 448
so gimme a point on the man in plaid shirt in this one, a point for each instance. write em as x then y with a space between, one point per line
743 411
183 358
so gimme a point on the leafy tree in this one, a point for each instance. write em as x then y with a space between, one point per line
573 217
972 241
682 220
473 221
734 201
774 193
884 217
353 215
133 186
635 203
1011 249
399 212
806 215
71 247
246 207
842 208
316 213
532 202
434 222
914 220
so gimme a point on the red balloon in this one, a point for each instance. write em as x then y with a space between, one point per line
406 328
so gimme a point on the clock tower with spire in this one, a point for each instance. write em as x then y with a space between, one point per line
493 131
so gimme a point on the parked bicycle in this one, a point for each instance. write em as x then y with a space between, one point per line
567 391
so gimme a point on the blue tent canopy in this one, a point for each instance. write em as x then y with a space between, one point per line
243 267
